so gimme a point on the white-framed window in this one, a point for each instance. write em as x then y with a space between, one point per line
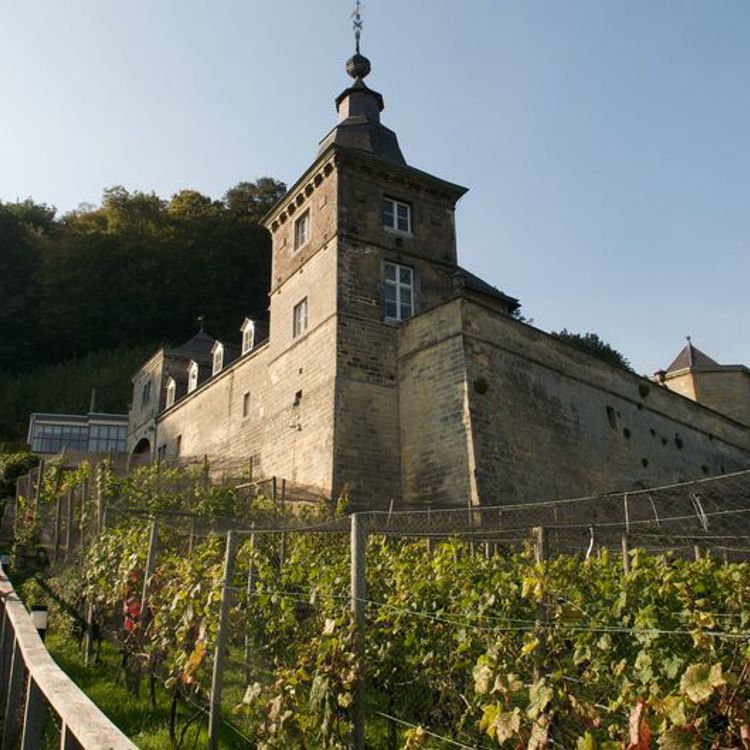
299 318
218 357
192 376
396 215
398 286
248 335
171 391
302 230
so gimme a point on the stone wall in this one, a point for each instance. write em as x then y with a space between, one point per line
291 384
725 389
437 460
550 422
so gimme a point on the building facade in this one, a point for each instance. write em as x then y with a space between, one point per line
78 435
393 374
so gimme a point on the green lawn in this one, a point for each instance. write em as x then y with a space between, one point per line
146 727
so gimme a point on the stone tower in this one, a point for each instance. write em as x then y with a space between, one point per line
361 243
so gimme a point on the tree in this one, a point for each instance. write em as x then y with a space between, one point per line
254 199
23 226
593 345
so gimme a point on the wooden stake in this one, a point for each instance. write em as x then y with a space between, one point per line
358 601
540 553
222 636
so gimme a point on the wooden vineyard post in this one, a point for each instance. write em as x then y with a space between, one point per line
82 520
153 541
38 488
222 636
358 600
249 592
88 638
282 536
68 524
540 554
191 540
625 555
58 520
100 474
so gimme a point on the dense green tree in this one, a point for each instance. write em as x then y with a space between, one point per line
592 344
254 199
23 226
139 268
134 269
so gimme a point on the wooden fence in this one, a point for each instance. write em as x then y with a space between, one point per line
32 686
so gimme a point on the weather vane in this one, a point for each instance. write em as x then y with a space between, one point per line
357 24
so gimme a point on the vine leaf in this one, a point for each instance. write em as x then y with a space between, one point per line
678 738
699 681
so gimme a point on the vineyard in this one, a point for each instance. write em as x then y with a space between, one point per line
297 625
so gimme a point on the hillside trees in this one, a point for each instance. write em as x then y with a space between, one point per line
133 271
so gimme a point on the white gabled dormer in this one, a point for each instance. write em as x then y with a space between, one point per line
192 376
217 353
171 392
248 335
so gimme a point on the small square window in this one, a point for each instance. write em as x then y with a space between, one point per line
299 318
302 230
396 215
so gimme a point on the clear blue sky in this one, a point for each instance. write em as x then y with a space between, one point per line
605 143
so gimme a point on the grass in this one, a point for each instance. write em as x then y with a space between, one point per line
133 714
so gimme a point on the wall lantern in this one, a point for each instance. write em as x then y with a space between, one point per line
39 619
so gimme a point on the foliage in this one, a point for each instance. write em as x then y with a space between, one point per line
490 651
133 270
12 466
66 387
593 345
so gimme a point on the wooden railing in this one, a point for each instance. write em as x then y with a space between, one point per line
31 684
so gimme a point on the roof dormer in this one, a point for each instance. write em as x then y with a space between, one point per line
171 392
248 335
217 354
192 376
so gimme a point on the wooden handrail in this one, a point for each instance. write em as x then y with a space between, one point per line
22 652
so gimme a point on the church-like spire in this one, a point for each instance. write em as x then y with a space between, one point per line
359 109
357 66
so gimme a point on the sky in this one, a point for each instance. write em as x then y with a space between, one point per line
605 143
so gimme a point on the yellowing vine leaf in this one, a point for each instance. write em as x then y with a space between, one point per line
699 681
679 738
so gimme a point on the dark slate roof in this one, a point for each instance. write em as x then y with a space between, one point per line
691 357
476 284
197 348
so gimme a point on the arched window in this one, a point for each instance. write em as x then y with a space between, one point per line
248 335
171 390
218 353
192 376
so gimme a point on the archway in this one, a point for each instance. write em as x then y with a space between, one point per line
141 454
